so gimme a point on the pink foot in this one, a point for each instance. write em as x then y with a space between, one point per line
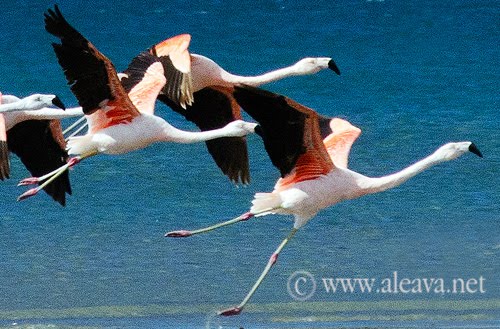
28 193
231 311
73 161
178 234
246 216
29 181
273 259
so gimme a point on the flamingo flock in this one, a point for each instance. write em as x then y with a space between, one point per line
309 150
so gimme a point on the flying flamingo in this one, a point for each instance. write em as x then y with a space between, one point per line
32 131
116 124
212 104
311 152
192 72
193 77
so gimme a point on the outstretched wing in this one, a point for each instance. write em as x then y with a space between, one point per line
143 80
176 61
338 136
291 134
215 107
90 74
40 146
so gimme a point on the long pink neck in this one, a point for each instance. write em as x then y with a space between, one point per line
172 134
206 72
379 184
258 80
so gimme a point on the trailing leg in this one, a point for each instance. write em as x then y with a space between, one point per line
274 257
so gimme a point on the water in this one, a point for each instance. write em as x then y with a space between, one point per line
414 76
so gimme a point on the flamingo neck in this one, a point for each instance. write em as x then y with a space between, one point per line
258 80
172 134
53 114
206 72
379 184
11 107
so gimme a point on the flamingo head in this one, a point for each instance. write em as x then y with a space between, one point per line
38 101
311 65
452 151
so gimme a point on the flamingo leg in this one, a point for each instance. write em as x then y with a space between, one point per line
50 177
83 126
185 233
274 257
73 125
36 180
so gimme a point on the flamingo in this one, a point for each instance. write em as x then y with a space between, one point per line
193 76
212 104
191 73
118 122
311 151
32 131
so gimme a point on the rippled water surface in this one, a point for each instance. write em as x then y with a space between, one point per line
415 75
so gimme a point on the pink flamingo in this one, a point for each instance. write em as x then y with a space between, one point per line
118 122
311 152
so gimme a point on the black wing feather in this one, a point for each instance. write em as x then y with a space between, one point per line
137 69
281 126
212 109
4 160
324 126
175 79
84 66
34 143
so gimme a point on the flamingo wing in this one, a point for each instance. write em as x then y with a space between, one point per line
40 146
338 136
143 80
4 150
176 61
291 134
214 108
92 76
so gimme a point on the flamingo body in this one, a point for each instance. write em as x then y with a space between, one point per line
305 199
120 117
124 138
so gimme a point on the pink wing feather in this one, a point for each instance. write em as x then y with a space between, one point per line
338 143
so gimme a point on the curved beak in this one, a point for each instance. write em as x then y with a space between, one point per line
473 148
57 102
333 66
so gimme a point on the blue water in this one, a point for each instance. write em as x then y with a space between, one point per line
415 75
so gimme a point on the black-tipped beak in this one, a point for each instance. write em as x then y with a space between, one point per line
258 130
332 66
57 102
473 148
